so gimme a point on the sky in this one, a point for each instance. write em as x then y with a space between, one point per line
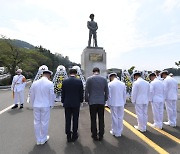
140 33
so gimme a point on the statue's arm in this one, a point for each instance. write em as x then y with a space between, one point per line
89 27
92 28
96 26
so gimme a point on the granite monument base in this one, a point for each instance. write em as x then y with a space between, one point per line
93 57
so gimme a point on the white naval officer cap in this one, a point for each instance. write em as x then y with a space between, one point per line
152 74
19 71
164 72
137 73
47 71
112 74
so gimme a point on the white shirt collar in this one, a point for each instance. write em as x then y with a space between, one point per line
96 73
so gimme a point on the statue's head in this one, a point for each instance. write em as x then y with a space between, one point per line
91 16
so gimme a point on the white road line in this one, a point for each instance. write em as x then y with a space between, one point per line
4 110
5 89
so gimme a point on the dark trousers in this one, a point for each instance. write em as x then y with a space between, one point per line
71 114
97 109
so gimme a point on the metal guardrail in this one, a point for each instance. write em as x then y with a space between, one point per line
5 87
9 86
3 76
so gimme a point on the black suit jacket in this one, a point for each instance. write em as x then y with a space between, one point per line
72 92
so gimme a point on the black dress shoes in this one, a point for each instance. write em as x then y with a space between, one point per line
74 137
94 137
15 106
69 139
21 106
100 138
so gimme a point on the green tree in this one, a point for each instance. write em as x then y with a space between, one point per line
11 56
33 61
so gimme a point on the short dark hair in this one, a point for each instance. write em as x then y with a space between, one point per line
91 16
158 71
96 69
137 74
72 71
164 72
112 75
152 74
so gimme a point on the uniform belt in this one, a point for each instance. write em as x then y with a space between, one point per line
18 83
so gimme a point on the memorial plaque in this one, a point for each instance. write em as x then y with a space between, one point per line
95 57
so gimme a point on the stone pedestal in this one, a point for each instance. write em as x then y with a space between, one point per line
93 57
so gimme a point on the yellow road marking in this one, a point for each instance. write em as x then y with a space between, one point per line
159 130
143 137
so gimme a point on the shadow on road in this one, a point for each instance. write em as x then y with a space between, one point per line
122 147
42 149
15 111
162 141
76 148
174 131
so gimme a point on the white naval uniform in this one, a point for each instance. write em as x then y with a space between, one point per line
116 101
157 101
42 98
18 87
159 78
140 98
171 96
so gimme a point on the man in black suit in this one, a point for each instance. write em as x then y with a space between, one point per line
72 96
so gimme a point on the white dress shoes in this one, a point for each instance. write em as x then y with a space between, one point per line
45 140
136 127
155 126
38 143
168 124
111 132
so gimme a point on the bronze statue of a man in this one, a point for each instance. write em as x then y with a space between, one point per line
92 26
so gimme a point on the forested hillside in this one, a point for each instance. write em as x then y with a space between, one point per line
19 54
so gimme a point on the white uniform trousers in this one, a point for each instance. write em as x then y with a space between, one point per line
41 123
19 97
117 114
158 109
142 117
171 111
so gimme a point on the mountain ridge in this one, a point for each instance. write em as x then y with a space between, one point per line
22 44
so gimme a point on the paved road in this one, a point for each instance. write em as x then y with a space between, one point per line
17 133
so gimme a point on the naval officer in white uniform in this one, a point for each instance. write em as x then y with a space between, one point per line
171 96
157 100
140 98
18 86
42 99
157 72
116 101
